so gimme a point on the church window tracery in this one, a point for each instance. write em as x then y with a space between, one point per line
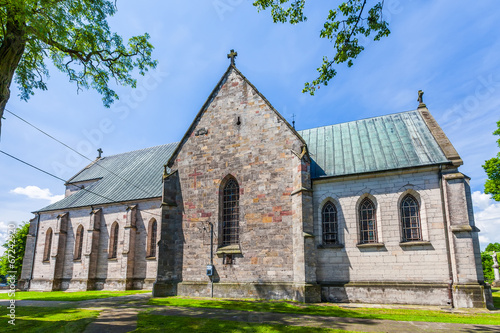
78 243
230 212
410 219
329 223
367 222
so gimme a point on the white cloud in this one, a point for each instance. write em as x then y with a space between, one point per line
487 217
34 192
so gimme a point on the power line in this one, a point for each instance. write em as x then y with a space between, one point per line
80 187
74 150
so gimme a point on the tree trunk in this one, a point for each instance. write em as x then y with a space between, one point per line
11 52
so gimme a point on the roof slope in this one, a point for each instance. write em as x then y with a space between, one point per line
123 177
388 142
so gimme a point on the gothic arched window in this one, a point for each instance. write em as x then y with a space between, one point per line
329 223
48 245
78 243
151 251
367 222
113 241
410 219
230 212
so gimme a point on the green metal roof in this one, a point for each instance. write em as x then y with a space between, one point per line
388 142
123 177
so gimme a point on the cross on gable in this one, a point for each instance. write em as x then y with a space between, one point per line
232 55
100 152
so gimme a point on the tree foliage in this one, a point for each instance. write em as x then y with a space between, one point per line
12 259
75 37
487 261
343 26
492 168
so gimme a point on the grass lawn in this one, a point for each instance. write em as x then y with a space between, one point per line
34 319
158 323
334 311
69 296
496 297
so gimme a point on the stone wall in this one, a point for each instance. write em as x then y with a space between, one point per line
394 271
237 134
94 270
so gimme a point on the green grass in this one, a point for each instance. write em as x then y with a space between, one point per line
496 297
69 296
334 311
34 319
157 323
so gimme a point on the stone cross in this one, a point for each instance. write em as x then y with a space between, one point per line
232 55
100 152
495 266
420 97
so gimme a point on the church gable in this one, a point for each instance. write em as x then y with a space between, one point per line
239 153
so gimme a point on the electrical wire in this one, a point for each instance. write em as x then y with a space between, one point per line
80 187
74 150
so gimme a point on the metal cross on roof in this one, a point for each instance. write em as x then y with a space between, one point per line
100 152
232 55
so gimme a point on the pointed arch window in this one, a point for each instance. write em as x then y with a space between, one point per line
230 212
78 243
410 219
113 241
329 219
367 222
151 251
48 245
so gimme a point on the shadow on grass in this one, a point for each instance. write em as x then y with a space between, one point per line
332 310
159 323
54 320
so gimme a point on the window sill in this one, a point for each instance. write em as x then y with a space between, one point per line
229 249
150 258
415 243
364 245
113 259
330 246
77 260
45 261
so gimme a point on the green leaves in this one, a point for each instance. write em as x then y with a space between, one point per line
12 259
343 27
76 37
492 168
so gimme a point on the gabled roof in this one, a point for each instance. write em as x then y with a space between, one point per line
123 177
209 100
395 141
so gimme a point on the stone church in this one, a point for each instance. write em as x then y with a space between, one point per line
245 206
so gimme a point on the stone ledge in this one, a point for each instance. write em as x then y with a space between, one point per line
461 228
229 249
364 245
414 243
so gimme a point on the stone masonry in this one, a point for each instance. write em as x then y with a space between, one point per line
238 137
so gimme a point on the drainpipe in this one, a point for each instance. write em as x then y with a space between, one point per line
34 250
446 236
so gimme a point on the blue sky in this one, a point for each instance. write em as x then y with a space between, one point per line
449 49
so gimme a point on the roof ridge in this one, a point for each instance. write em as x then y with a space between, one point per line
137 150
352 121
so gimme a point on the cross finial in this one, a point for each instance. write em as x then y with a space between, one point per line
100 152
293 120
232 55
